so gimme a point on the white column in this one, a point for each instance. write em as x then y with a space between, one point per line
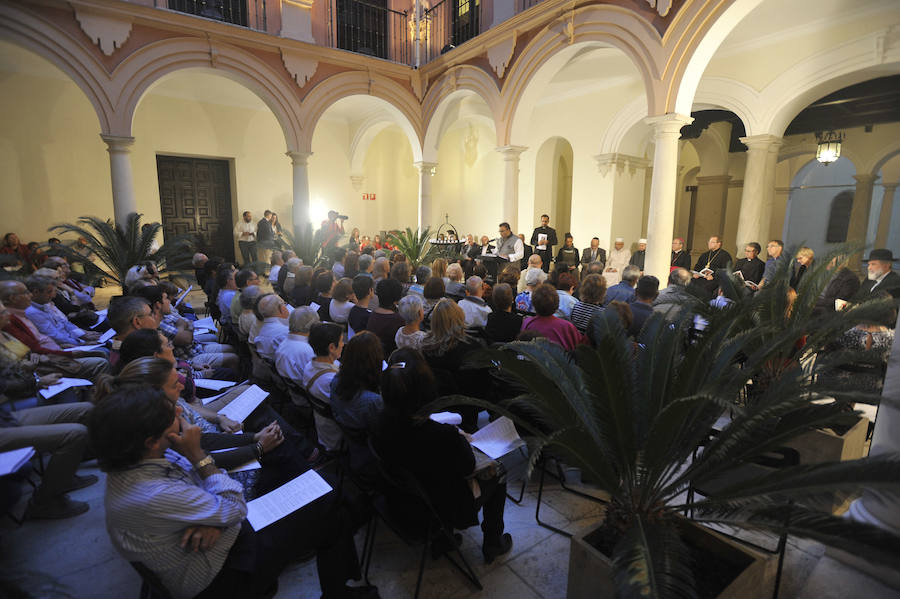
661 220
426 172
511 184
119 149
884 219
759 189
859 216
300 208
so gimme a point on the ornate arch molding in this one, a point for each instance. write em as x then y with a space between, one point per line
733 95
455 82
606 24
59 48
365 135
400 102
622 123
145 67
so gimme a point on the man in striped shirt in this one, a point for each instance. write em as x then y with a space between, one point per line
170 508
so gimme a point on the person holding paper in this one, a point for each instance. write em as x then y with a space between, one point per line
619 259
708 263
438 455
171 508
48 318
750 266
543 239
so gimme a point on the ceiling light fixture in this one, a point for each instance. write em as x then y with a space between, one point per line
829 146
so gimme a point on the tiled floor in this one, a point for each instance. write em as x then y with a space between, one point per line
74 558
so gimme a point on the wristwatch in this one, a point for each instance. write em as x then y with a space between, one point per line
204 462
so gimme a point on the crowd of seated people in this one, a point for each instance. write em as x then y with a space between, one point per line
366 340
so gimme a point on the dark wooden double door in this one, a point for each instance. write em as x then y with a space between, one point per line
195 199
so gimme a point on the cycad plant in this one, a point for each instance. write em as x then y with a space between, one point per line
636 418
304 244
415 245
118 248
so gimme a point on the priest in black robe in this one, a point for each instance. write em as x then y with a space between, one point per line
713 259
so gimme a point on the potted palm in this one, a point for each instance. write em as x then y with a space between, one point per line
303 243
414 245
117 248
636 419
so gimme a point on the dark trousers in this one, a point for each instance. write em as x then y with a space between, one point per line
546 256
248 252
491 503
258 557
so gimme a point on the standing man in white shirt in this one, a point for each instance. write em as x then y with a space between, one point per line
509 246
245 232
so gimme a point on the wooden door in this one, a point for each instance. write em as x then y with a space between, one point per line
195 198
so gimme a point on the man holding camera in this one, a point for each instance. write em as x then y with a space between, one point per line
332 230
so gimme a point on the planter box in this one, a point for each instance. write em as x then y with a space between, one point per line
591 572
825 446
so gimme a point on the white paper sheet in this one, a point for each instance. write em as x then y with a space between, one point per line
107 336
207 400
241 406
183 295
447 418
205 323
101 316
251 465
286 499
11 461
84 347
314 306
214 384
63 384
497 438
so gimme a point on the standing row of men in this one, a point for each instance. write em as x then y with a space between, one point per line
257 240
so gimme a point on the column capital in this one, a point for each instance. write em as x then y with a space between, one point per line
891 186
511 152
117 143
866 179
426 168
668 124
761 142
299 158
620 162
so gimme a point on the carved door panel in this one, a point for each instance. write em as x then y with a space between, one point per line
195 198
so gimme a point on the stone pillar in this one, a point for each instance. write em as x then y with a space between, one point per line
300 208
859 216
759 189
884 220
661 220
709 218
119 149
426 172
511 184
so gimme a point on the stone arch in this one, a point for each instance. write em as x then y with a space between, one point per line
875 165
146 67
399 102
622 123
601 25
732 95
365 135
58 47
454 84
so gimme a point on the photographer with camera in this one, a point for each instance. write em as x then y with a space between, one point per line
331 229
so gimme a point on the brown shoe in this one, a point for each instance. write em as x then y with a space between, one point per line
80 482
56 508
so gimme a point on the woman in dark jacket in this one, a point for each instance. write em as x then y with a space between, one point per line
437 455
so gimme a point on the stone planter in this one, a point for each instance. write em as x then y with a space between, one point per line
826 446
591 572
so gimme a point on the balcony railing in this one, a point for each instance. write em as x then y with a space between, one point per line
230 11
448 24
370 27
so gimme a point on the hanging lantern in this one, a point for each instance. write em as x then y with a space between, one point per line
829 147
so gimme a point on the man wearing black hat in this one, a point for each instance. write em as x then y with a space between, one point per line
880 276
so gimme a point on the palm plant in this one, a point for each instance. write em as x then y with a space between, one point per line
414 245
304 244
119 247
636 418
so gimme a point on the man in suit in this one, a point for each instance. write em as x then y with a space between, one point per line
750 266
265 237
543 239
528 251
595 253
881 276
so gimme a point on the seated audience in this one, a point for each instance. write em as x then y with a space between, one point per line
324 286
287 275
227 289
557 330
400 273
248 324
455 287
439 270
276 262
565 287
341 301
844 284
78 293
642 307
802 264
351 264
623 291
294 352
384 320
47 317
301 292
590 300
433 293
437 455
423 273
676 296
503 325
243 279
412 309
534 261
183 500
326 340
533 278
364 291
200 273
19 258
127 314
145 271
473 305
274 327
510 275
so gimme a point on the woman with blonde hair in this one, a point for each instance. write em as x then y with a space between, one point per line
804 257
439 270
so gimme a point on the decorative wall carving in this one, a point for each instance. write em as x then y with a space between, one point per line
299 66
500 54
662 6
621 162
108 32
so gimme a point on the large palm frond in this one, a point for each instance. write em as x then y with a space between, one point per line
415 245
304 244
